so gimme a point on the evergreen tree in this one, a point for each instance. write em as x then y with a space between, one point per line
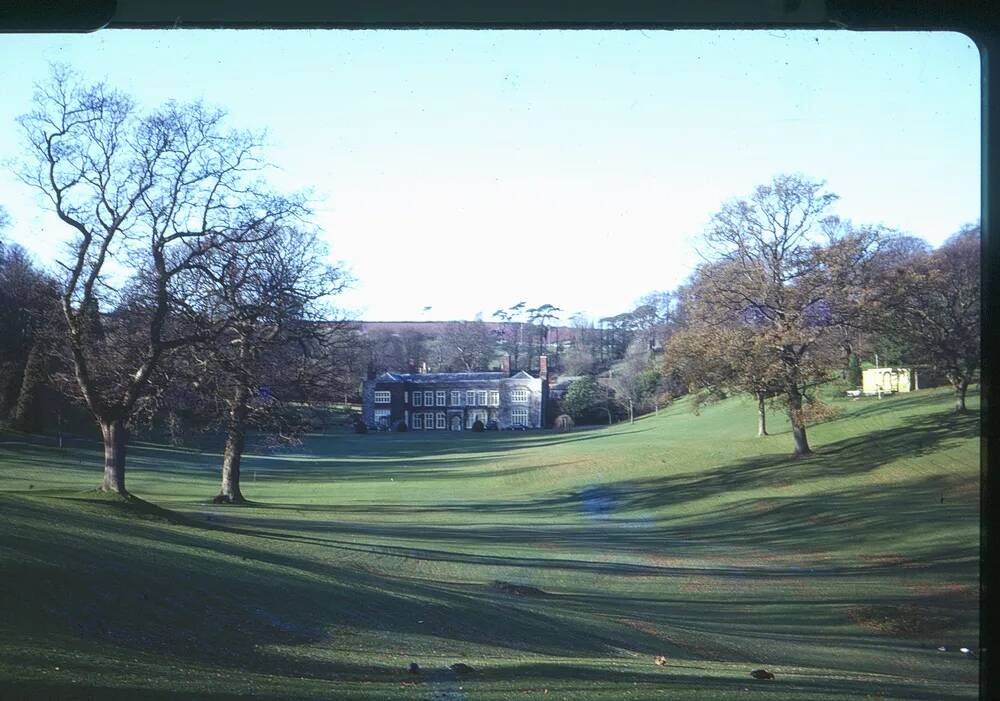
854 371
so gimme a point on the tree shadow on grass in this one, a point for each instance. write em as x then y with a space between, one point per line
673 681
676 678
804 528
892 404
855 456
207 597
355 458
615 516
849 457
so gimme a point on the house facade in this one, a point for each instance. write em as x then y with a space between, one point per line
888 380
454 401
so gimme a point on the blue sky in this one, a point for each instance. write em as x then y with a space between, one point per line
467 170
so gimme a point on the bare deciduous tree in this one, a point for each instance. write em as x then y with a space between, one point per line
466 345
145 197
634 380
271 299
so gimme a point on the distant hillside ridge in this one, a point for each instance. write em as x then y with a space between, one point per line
434 328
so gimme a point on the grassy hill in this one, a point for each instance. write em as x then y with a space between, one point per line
556 565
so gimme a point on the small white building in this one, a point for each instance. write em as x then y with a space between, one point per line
887 380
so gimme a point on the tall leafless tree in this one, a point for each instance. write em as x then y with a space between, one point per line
466 345
145 197
276 343
634 380
510 335
540 319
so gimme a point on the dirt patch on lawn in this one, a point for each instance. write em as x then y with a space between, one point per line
904 621
883 559
516 589
953 592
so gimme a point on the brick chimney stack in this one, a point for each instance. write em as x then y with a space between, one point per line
543 367
505 364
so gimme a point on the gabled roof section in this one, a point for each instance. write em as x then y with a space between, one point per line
522 375
430 377
388 377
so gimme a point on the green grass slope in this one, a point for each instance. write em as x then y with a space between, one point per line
556 565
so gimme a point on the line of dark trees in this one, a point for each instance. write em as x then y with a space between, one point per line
523 333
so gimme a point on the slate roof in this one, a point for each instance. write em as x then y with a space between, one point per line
429 377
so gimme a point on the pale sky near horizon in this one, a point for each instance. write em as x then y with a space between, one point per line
468 170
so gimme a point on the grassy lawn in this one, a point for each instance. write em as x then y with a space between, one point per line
679 535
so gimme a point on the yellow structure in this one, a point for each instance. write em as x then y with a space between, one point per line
886 380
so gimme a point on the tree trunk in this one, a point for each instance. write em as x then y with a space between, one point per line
115 436
631 413
961 386
235 440
26 415
761 415
798 424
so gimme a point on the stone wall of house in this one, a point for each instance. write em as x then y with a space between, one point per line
402 407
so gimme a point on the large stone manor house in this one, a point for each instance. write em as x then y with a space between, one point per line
454 401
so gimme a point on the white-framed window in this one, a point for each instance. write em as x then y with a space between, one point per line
481 397
418 399
429 421
519 396
441 396
406 397
494 398
428 398
381 417
456 398
519 417
383 396
440 421
470 397
418 420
